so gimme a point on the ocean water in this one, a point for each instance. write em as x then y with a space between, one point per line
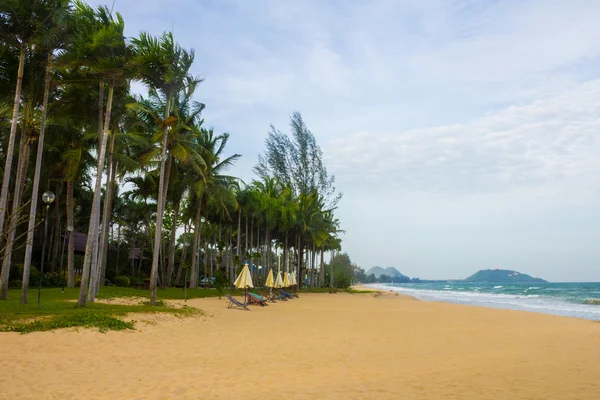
580 300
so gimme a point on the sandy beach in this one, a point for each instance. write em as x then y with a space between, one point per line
321 346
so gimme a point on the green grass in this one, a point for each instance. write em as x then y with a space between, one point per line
59 310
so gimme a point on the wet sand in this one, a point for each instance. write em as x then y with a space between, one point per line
321 346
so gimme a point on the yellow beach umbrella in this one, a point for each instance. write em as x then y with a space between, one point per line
293 279
278 281
270 282
286 279
244 279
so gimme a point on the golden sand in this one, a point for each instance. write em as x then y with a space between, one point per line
320 346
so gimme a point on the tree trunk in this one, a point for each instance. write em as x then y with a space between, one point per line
92 237
239 232
16 208
118 247
331 273
35 188
195 273
94 259
183 254
286 254
107 212
160 207
251 241
171 266
57 238
322 268
10 148
206 259
71 247
246 239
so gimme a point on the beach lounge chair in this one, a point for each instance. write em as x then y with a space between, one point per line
269 297
284 294
234 303
253 298
289 294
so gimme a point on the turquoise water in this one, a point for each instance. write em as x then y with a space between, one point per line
580 300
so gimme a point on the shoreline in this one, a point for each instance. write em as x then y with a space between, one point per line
320 346
497 301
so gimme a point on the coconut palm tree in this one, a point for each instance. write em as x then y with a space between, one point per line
213 185
18 28
101 53
36 28
163 66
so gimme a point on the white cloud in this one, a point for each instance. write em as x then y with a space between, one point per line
546 142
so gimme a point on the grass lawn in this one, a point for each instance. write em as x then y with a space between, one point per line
59 310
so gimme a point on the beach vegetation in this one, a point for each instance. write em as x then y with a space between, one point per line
143 194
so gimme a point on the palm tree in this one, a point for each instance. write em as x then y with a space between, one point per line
49 37
163 66
101 54
214 185
18 27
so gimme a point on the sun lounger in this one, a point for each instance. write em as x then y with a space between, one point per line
289 294
268 297
253 298
284 294
234 303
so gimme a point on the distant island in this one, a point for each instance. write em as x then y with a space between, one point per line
392 275
388 274
502 276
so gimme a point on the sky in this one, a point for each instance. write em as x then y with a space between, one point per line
463 134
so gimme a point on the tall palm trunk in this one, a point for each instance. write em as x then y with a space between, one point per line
94 260
11 139
160 207
239 232
71 246
57 239
196 245
322 268
251 241
16 208
246 238
183 254
171 263
92 238
36 186
106 213
205 259
331 272
286 254
312 266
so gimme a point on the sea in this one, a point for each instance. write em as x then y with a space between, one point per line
579 300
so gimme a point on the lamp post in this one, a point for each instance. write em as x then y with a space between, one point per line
47 198
62 256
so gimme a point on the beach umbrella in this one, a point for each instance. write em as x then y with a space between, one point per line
293 281
270 281
278 281
286 279
244 279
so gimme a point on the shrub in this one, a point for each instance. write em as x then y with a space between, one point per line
122 281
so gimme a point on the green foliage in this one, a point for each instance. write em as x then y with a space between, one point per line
88 319
343 270
122 281
221 282
59 310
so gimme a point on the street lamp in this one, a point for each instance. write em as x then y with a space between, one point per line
47 198
62 256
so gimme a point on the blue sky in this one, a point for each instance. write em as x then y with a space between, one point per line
464 134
